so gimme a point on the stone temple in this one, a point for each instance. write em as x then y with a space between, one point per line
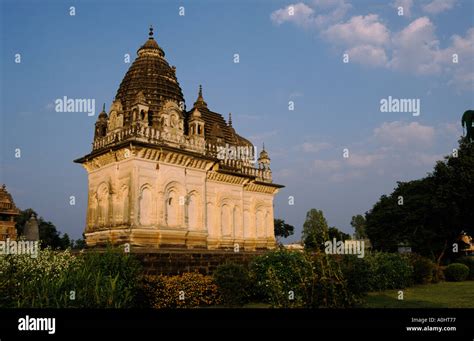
8 212
162 176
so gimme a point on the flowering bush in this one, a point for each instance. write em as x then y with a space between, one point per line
182 291
59 279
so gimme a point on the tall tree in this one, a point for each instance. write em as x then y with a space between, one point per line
334 232
315 230
283 229
358 223
428 213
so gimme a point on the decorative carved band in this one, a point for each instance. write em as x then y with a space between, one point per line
152 154
252 187
227 178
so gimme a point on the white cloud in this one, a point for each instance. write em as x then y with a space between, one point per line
368 55
309 147
359 30
264 135
463 71
400 134
363 160
438 6
425 159
345 176
336 10
453 129
406 5
300 14
326 165
324 13
416 48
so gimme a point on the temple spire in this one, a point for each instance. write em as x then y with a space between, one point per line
200 100
150 34
230 119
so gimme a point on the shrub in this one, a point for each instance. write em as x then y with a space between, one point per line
182 291
357 273
469 261
389 271
110 279
423 269
57 279
456 272
328 288
294 279
233 283
36 282
279 277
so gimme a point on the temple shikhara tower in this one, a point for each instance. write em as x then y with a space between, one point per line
8 212
164 176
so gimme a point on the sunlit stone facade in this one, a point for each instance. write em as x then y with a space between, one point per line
161 176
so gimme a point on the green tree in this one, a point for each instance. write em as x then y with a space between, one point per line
358 223
315 230
48 234
283 229
66 242
334 232
428 213
80 243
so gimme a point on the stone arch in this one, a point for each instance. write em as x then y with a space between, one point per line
125 204
248 231
260 222
173 208
103 194
226 220
145 212
237 222
93 209
194 210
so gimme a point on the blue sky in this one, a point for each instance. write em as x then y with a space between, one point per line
283 57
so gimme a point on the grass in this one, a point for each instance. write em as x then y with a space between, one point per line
440 295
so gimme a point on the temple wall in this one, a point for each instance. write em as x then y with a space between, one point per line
156 204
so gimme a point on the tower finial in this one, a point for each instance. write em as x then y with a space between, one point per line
230 119
103 108
263 146
200 100
150 34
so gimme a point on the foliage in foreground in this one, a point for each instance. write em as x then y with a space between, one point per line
233 282
58 279
188 290
293 279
